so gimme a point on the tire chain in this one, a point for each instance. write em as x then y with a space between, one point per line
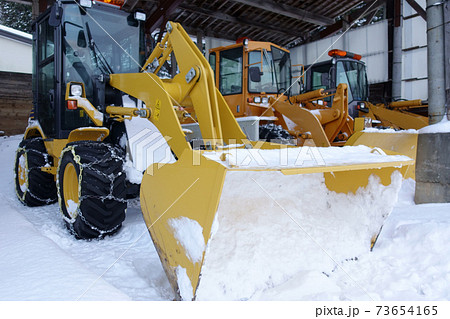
111 178
48 162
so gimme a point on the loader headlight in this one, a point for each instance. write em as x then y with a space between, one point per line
76 90
140 16
257 99
86 3
265 100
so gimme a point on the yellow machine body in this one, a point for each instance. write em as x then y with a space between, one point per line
397 115
193 195
401 142
199 209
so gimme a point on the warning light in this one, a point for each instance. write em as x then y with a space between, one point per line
343 53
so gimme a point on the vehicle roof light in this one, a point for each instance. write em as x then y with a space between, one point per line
243 40
118 3
343 53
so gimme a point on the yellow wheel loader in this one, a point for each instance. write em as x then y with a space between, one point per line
255 79
228 216
347 67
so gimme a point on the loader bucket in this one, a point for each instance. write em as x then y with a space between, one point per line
400 142
227 224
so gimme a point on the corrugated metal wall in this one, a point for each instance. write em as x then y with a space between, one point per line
415 75
370 41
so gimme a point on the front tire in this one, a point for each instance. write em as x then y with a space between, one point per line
34 187
274 133
91 188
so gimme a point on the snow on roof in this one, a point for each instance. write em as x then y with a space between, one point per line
15 34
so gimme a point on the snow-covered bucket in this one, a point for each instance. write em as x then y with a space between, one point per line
230 223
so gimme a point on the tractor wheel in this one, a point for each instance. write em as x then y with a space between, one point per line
274 133
91 188
34 187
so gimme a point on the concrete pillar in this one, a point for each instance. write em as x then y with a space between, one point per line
433 149
436 61
433 168
447 53
397 52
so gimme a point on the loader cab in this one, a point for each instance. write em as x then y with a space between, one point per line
249 72
81 43
344 67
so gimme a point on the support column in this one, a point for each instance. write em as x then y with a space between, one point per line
397 52
34 9
200 41
447 54
436 61
433 149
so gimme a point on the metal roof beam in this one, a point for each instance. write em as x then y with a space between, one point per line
238 20
29 2
288 11
358 14
209 33
156 20
418 9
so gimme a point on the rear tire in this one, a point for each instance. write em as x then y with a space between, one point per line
91 188
33 186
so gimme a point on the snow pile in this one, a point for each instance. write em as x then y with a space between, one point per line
34 268
441 127
40 259
296 157
297 226
145 146
23 169
133 175
72 208
184 284
189 234
389 130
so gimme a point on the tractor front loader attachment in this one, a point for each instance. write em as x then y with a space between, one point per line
231 217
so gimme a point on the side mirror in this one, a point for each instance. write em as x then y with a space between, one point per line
81 41
255 74
55 15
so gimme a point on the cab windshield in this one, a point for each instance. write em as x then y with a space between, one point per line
354 75
275 73
97 40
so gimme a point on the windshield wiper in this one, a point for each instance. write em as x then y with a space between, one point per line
270 63
98 56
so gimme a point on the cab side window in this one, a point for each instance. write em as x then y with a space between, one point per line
230 81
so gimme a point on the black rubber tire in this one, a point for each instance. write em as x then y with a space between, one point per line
101 187
274 133
40 187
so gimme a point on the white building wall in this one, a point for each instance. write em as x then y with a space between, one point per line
414 62
16 56
214 43
370 41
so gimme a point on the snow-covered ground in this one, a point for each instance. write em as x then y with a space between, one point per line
40 260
